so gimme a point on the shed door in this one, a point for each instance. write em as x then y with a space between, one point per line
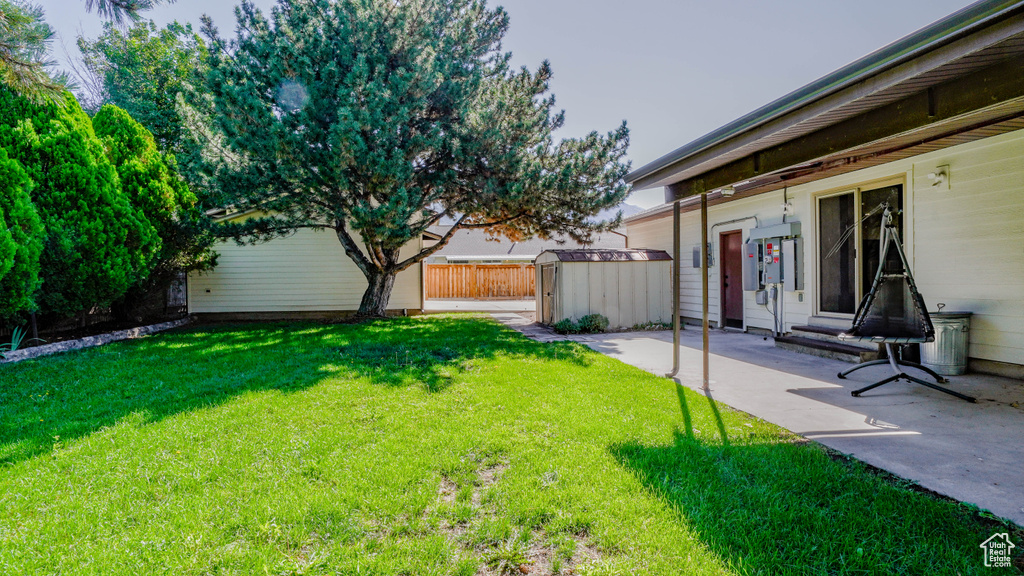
547 295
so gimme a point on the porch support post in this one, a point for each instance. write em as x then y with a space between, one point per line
676 321
704 283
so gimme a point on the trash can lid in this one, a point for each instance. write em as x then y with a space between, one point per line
950 315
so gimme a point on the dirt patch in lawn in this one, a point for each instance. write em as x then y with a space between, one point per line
570 553
518 551
486 478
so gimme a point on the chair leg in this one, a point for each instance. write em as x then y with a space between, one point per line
938 377
842 375
897 364
875 385
970 399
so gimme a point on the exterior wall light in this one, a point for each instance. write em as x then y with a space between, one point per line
940 178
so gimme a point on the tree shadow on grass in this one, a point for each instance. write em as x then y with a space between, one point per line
61 398
774 506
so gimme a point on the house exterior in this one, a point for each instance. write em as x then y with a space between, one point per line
308 274
933 124
304 275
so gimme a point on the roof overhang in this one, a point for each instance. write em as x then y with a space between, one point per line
957 80
517 257
609 255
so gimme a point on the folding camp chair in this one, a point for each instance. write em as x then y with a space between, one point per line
893 313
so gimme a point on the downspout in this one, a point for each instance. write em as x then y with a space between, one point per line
676 322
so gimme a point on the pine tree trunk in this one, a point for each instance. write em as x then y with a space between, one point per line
377 295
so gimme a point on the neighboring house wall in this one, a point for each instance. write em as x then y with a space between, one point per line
964 244
305 272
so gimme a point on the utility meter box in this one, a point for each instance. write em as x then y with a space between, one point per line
793 265
696 256
761 297
752 266
773 261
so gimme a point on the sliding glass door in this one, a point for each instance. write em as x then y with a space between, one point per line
848 248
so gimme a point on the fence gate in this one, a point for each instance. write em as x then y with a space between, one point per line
480 281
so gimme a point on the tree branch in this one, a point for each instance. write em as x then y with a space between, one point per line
496 222
352 249
418 257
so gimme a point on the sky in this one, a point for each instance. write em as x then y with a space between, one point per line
674 70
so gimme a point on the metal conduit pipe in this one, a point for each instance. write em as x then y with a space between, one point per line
757 223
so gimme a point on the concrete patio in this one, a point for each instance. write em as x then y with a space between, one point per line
971 452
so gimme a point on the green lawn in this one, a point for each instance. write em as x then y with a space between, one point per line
432 445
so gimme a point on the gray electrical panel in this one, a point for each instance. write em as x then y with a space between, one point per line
752 266
793 265
696 256
773 261
786 230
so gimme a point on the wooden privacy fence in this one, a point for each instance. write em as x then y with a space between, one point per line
480 281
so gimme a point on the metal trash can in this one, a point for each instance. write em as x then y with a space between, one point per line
947 355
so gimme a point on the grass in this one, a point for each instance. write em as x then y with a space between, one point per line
432 445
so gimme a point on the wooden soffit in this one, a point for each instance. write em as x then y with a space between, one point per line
986 101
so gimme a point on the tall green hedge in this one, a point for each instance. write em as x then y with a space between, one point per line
151 183
21 240
144 176
97 244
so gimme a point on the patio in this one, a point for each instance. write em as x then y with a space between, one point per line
971 452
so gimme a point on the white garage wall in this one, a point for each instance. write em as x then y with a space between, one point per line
305 272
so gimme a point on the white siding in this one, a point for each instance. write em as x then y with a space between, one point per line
966 244
627 293
657 234
307 271
969 241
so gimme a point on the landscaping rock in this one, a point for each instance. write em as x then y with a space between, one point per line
90 341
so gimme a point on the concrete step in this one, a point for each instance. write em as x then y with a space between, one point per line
828 334
829 322
824 349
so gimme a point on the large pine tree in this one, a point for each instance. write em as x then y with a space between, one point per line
377 119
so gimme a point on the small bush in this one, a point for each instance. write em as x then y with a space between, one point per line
566 326
651 326
593 323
